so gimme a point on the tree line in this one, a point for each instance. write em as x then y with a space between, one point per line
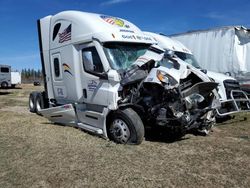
31 75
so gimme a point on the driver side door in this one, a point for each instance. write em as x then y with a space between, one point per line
95 83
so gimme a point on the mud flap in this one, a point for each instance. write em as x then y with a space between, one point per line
62 114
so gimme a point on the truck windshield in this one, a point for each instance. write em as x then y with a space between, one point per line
188 58
123 55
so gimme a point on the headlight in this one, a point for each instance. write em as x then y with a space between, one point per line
166 78
162 76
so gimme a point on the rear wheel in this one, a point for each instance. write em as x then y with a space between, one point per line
39 103
32 98
4 84
126 127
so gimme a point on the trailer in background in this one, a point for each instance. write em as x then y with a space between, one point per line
15 78
9 78
5 76
223 49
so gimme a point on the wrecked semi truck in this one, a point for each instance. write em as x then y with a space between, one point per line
232 98
103 75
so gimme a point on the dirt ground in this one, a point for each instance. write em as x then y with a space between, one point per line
37 153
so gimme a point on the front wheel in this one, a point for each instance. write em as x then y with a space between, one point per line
207 125
126 127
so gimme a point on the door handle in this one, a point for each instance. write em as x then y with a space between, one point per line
84 93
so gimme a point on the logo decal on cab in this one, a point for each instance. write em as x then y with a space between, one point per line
114 21
67 68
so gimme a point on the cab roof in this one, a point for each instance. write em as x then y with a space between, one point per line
85 26
168 43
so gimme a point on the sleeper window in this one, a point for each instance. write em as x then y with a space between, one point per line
57 67
56 30
5 69
91 60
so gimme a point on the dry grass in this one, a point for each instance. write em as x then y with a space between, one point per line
36 153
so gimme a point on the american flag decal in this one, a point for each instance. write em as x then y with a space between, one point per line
113 20
65 35
110 20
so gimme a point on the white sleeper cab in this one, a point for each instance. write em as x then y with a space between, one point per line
104 75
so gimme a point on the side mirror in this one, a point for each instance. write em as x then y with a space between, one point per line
113 75
88 61
169 54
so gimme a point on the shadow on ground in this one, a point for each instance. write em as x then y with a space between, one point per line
5 92
231 120
163 135
152 135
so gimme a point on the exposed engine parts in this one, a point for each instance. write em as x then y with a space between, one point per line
167 103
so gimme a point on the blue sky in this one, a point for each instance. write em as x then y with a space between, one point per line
18 32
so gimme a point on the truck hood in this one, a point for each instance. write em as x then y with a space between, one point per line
219 77
183 70
174 66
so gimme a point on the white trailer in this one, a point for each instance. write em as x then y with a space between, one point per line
232 98
102 74
15 78
223 49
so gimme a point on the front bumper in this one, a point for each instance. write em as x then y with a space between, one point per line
238 102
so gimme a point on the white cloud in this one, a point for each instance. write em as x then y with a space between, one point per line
113 2
215 15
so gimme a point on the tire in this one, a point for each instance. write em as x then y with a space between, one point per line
32 99
4 85
126 127
206 128
39 103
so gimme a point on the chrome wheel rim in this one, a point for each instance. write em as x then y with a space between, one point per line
38 106
120 131
31 104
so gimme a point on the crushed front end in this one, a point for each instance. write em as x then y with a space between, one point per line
172 96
